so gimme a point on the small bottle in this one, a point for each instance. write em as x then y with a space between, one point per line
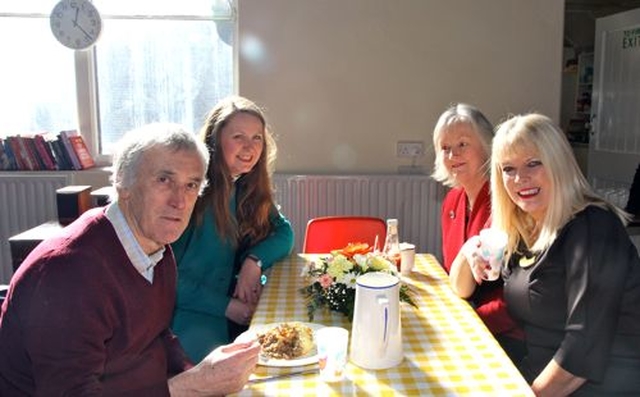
391 248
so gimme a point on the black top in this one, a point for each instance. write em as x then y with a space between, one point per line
579 302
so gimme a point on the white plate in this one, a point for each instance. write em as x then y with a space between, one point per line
310 358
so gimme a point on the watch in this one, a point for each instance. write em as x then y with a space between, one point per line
256 260
76 23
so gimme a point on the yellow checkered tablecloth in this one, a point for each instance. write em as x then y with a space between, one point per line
448 350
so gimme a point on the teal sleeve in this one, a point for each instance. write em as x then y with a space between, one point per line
278 244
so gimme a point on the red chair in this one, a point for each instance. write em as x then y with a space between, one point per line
327 233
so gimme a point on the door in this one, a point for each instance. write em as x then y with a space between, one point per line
614 144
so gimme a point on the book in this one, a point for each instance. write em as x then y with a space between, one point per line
61 154
20 153
10 156
50 140
82 152
71 154
44 152
5 164
34 157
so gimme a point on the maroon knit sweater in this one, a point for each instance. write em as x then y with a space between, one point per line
80 320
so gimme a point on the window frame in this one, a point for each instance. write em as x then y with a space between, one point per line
87 103
87 95
87 85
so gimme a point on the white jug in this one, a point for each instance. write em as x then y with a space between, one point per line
376 333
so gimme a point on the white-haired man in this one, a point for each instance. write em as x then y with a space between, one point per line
88 311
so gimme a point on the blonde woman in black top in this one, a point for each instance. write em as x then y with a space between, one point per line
572 274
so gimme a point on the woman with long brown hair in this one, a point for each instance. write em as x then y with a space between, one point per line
236 230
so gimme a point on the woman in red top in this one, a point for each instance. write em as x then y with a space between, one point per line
462 141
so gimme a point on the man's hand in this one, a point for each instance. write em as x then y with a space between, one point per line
225 370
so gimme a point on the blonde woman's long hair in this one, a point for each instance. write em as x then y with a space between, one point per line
571 192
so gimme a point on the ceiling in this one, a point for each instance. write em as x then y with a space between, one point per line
580 20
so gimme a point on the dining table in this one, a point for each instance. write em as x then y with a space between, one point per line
448 351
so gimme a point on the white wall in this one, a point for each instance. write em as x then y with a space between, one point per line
342 81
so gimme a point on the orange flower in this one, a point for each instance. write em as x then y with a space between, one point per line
354 248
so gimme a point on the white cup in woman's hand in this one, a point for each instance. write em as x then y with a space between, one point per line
491 249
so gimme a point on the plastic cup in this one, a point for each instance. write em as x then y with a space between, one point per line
492 245
407 258
332 344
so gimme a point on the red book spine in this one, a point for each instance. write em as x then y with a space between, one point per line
30 147
21 149
81 150
15 149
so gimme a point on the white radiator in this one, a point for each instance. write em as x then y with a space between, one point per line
25 201
415 200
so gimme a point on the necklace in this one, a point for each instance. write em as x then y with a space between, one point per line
527 260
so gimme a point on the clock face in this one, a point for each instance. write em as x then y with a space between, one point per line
76 23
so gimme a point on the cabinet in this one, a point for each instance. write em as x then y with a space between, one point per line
22 244
579 127
585 84
28 198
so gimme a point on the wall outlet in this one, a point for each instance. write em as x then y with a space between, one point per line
410 149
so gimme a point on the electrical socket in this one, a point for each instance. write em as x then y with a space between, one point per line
410 149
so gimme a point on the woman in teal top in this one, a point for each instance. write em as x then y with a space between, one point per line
236 231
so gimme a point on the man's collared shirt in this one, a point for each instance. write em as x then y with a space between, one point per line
143 263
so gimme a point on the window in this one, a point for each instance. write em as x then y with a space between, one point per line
37 79
155 61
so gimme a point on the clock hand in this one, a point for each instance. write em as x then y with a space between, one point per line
75 20
83 31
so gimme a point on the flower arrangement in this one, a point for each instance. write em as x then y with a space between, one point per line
332 279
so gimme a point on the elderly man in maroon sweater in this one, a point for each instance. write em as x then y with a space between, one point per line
88 312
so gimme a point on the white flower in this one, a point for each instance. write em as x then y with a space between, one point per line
349 280
361 260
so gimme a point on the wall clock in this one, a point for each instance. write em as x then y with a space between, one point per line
76 23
